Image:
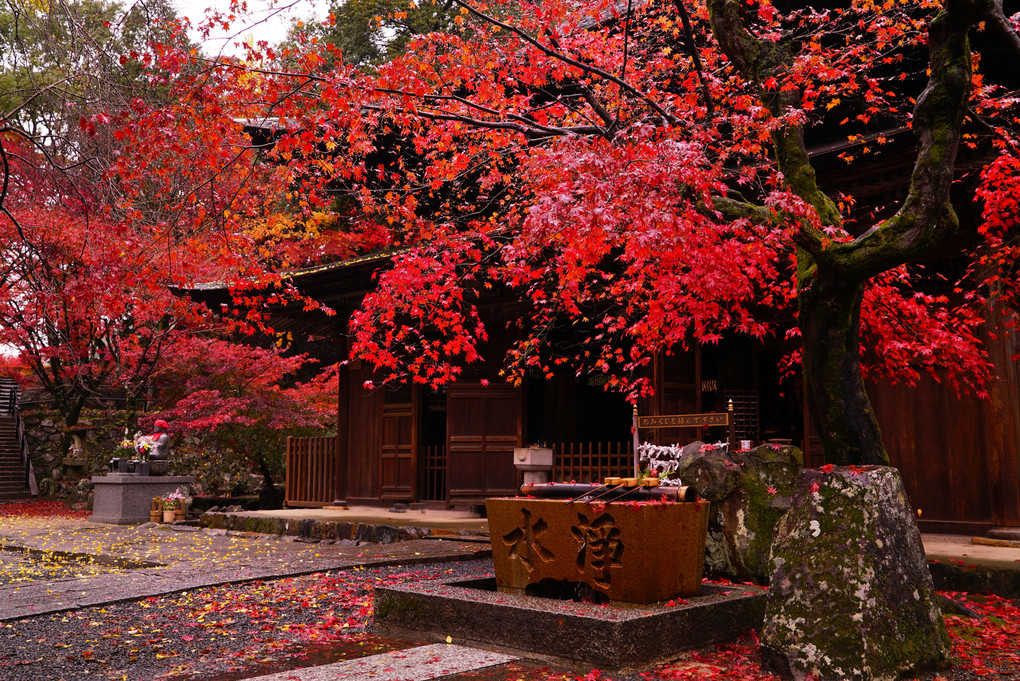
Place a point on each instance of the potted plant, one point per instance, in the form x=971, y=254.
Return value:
x=171, y=502
x=122, y=456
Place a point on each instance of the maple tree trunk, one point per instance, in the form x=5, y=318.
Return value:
x=830, y=309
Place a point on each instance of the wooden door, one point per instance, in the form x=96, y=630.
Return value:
x=363, y=437
x=398, y=452
x=483, y=427
x=679, y=392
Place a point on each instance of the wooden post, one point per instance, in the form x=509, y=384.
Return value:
x=637, y=441
x=733, y=426
x=343, y=435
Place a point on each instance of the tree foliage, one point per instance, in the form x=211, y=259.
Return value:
x=641, y=174
x=95, y=223
x=369, y=32
x=243, y=400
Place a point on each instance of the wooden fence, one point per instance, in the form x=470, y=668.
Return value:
x=311, y=470
x=433, y=478
x=591, y=461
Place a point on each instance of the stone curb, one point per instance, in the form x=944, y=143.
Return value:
x=327, y=530
x=975, y=578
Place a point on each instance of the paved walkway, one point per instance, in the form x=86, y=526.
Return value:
x=135, y=561
x=130, y=562
x=951, y=548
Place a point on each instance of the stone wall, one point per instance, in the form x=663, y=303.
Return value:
x=49, y=442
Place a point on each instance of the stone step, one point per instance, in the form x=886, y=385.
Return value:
x=413, y=664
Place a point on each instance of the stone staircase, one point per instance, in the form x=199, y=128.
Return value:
x=13, y=476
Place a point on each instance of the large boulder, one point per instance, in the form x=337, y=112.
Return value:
x=749, y=491
x=851, y=596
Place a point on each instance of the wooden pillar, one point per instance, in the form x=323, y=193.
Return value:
x=343, y=424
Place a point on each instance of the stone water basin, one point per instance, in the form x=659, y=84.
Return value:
x=608, y=637
x=622, y=551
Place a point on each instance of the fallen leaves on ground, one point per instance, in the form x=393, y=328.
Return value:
x=39, y=509
x=225, y=632
x=212, y=633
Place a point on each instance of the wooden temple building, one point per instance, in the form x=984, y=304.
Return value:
x=451, y=447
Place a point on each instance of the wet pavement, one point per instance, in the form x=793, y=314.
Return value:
x=135, y=561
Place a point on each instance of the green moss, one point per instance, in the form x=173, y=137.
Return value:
x=400, y=610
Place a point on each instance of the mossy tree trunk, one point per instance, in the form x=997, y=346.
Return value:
x=831, y=276
x=834, y=386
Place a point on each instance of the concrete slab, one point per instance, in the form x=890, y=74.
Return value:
x=413, y=664
x=971, y=551
x=357, y=523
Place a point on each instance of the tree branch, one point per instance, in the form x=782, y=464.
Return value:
x=736, y=209
x=524, y=126
x=759, y=60
x=594, y=70
x=692, y=51
x=926, y=216
x=994, y=15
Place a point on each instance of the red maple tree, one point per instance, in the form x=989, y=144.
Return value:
x=243, y=400
x=642, y=175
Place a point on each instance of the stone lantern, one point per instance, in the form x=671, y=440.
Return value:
x=535, y=462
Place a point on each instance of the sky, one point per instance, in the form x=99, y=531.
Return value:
x=268, y=20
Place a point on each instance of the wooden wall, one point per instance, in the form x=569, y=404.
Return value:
x=938, y=442
x=959, y=456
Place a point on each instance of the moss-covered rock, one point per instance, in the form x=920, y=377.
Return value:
x=750, y=491
x=851, y=596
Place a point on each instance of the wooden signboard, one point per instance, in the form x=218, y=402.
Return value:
x=724, y=418
x=685, y=420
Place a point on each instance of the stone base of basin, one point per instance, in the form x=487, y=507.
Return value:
x=630, y=552
x=604, y=637
x=122, y=499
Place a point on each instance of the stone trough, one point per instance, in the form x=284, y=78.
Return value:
x=609, y=637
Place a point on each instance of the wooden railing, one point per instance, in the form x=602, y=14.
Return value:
x=10, y=405
x=311, y=470
x=591, y=461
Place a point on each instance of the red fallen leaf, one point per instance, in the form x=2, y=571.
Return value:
x=40, y=509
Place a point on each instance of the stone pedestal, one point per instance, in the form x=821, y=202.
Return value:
x=122, y=499
x=851, y=597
